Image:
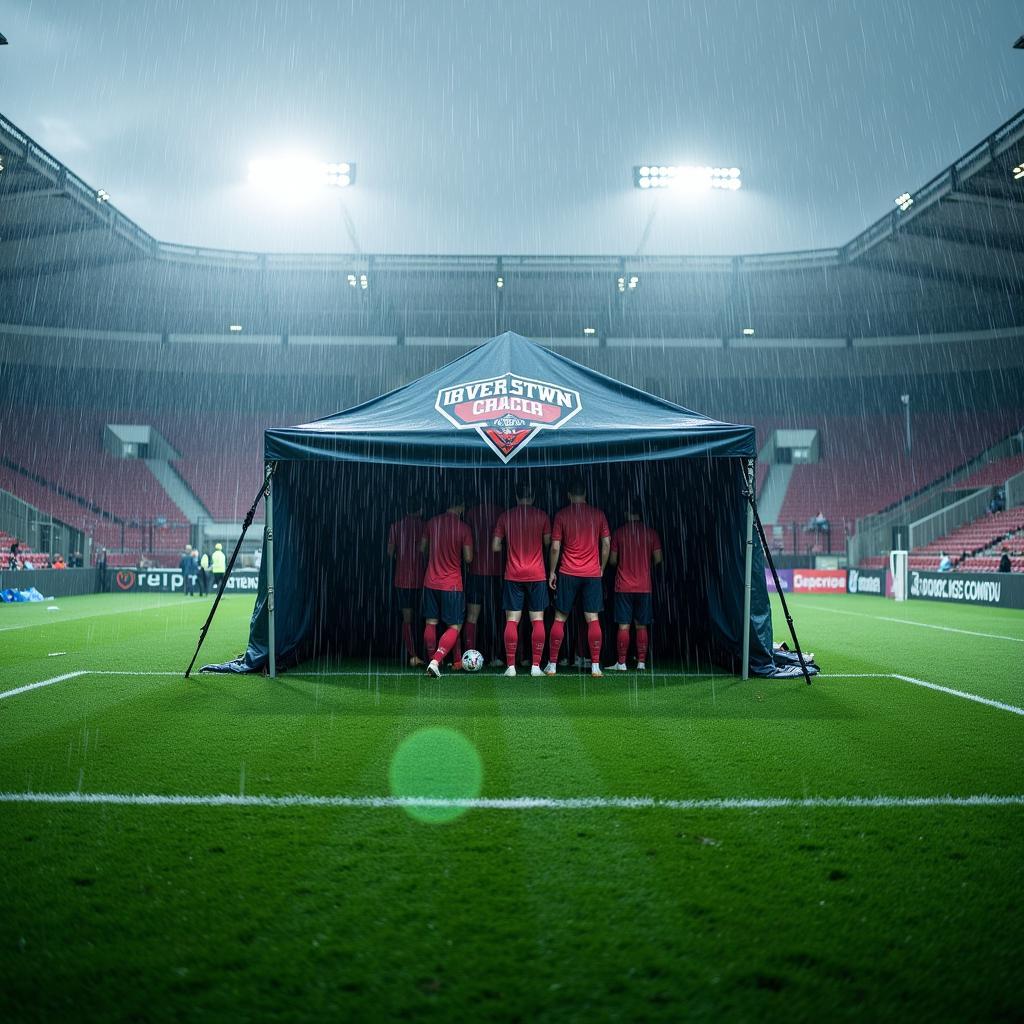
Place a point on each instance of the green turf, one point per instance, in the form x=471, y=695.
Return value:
x=163, y=913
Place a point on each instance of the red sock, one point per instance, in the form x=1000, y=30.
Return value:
x=457, y=649
x=511, y=642
x=622, y=644
x=469, y=632
x=594, y=639
x=449, y=637
x=410, y=647
x=555, y=640
x=429, y=639
x=641, y=643
x=537, y=640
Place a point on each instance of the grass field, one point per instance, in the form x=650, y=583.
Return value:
x=692, y=854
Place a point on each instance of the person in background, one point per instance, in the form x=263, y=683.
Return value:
x=1005, y=565
x=204, y=574
x=483, y=581
x=580, y=545
x=635, y=547
x=189, y=577
x=403, y=549
x=945, y=563
x=101, y=571
x=219, y=564
x=58, y=562
x=15, y=548
x=257, y=559
x=447, y=544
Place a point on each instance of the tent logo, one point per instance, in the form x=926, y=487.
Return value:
x=507, y=411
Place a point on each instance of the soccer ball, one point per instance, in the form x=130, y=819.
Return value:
x=472, y=661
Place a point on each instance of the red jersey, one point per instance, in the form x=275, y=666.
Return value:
x=405, y=536
x=523, y=529
x=446, y=534
x=579, y=527
x=635, y=543
x=481, y=520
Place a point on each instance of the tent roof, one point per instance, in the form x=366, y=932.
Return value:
x=511, y=402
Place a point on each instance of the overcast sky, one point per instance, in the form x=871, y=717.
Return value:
x=485, y=127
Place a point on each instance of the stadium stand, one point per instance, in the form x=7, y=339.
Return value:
x=995, y=474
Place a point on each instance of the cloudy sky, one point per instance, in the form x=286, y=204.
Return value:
x=487, y=127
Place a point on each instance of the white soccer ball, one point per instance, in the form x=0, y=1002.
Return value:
x=472, y=661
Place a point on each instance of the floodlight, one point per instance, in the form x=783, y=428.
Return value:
x=684, y=178
x=363, y=283
x=352, y=280
x=590, y=330
x=500, y=282
x=904, y=201
x=293, y=175
x=1018, y=171
x=102, y=195
x=235, y=328
x=748, y=332
x=634, y=281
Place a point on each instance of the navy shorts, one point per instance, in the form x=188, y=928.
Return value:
x=481, y=589
x=448, y=606
x=636, y=608
x=537, y=594
x=407, y=596
x=570, y=586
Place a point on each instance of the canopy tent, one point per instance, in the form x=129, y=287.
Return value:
x=507, y=407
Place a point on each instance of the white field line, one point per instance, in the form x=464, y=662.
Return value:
x=45, y=682
x=961, y=693
x=911, y=622
x=517, y=803
x=60, y=620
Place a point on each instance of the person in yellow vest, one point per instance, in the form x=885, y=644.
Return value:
x=219, y=565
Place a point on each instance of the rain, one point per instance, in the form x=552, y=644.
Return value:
x=312, y=310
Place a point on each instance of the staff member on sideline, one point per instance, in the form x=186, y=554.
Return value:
x=218, y=564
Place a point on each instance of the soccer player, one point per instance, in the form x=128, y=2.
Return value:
x=484, y=576
x=447, y=542
x=635, y=547
x=404, y=536
x=580, y=546
x=527, y=532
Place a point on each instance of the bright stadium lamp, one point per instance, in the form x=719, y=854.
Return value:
x=904, y=201
x=102, y=195
x=683, y=178
x=1018, y=172
x=299, y=175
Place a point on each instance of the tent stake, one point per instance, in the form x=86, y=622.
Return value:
x=752, y=501
x=748, y=474
x=246, y=523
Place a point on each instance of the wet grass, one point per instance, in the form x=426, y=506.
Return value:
x=251, y=912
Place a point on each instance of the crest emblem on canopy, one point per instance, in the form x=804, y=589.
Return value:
x=508, y=410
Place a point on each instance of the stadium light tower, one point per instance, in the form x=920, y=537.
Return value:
x=296, y=177
x=683, y=179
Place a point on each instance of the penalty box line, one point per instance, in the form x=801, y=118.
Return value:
x=517, y=803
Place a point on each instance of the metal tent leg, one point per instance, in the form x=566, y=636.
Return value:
x=748, y=471
x=271, y=626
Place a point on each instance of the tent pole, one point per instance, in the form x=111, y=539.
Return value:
x=264, y=490
x=271, y=630
x=778, y=585
x=748, y=472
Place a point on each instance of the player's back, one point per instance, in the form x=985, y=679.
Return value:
x=446, y=536
x=634, y=544
x=405, y=535
x=579, y=528
x=481, y=520
x=523, y=529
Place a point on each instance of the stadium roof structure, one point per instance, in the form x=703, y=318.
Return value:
x=949, y=259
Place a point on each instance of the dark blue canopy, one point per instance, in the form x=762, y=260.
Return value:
x=509, y=405
x=511, y=402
